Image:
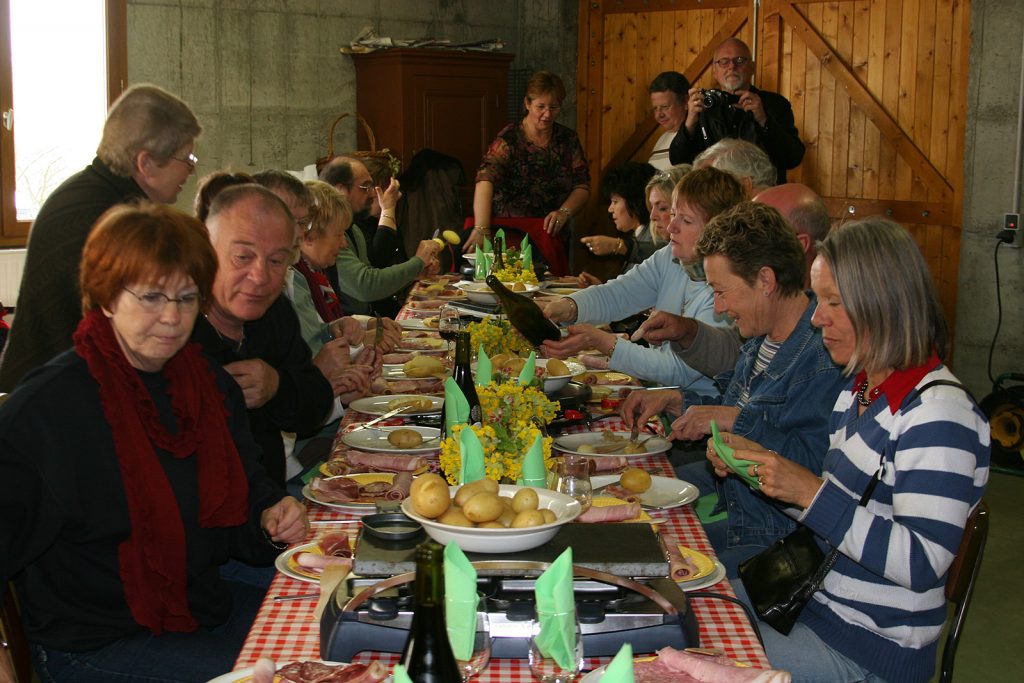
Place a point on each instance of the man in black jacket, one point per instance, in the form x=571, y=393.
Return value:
x=740, y=111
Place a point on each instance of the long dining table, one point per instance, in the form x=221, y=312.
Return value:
x=285, y=630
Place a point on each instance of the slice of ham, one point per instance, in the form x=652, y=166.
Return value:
x=610, y=513
x=382, y=462
x=317, y=563
x=318, y=672
x=610, y=464
x=336, y=545
x=397, y=358
x=335, y=489
x=680, y=566
x=620, y=492
x=683, y=667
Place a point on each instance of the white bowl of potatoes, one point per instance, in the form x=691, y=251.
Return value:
x=445, y=514
x=555, y=373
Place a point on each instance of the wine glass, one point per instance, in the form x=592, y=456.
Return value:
x=481, y=647
x=574, y=479
x=449, y=324
x=543, y=665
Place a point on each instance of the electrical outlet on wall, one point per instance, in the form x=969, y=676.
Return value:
x=1010, y=234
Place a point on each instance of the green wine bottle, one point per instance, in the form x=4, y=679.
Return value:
x=427, y=656
x=524, y=314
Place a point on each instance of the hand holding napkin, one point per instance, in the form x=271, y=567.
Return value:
x=399, y=675
x=529, y=369
x=460, y=601
x=471, y=454
x=456, y=407
x=533, y=471
x=556, y=611
x=620, y=669
x=483, y=368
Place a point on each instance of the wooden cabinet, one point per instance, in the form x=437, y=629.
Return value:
x=452, y=102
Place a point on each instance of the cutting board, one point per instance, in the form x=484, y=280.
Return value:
x=631, y=550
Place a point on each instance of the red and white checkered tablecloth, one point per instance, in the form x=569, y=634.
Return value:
x=285, y=631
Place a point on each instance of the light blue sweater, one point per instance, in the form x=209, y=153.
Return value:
x=659, y=282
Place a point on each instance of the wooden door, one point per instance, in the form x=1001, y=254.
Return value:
x=877, y=86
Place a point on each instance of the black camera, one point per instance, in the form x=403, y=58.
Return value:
x=714, y=97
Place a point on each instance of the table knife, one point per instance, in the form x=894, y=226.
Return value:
x=390, y=413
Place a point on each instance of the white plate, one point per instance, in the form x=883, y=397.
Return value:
x=297, y=573
x=245, y=675
x=665, y=492
x=477, y=540
x=710, y=580
x=418, y=323
x=376, y=440
x=570, y=443
x=378, y=405
x=481, y=293
x=398, y=372
x=362, y=479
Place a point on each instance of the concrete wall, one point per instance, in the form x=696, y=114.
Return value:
x=994, y=89
x=265, y=77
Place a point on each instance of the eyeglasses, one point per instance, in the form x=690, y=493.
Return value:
x=735, y=61
x=155, y=302
x=191, y=161
x=304, y=223
x=365, y=187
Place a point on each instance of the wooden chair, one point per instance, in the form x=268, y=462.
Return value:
x=963, y=574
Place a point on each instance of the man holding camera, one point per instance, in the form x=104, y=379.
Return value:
x=738, y=110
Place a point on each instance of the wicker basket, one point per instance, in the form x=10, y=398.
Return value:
x=384, y=155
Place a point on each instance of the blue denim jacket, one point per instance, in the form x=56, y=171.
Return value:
x=787, y=412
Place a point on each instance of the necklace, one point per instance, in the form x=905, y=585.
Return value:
x=227, y=340
x=863, y=397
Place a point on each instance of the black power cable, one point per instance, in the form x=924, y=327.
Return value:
x=999, y=305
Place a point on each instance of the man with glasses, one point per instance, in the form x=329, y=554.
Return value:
x=738, y=110
x=252, y=330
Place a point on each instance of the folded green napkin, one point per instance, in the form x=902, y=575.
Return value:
x=483, y=368
x=526, y=250
x=533, y=471
x=471, y=453
x=740, y=466
x=480, y=265
x=460, y=601
x=398, y=675
x=556, y=611
x=488, y=248
x=528, y=372
x=620, y=669
x=456, y=407
x=705, y=508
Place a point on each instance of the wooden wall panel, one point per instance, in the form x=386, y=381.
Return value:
x=876, y=87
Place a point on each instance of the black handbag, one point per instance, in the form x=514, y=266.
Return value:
x=780, y=580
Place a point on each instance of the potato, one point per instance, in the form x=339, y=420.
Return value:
x=557, y=368
x=498, y=360
x=585, y=448
x=423, y=366
x=549, y=516
x=405, y=438
x=528, y=518
x=496, y=524
x=408, y=403
x=507, y=515
x=515, y=366
x=525, y=499
x=467, y=491
x=634, y=447
x=431, y=500
x=518, y=287
x=425, y=479
x=455, y=517
x=636, y=480
x=483, y=507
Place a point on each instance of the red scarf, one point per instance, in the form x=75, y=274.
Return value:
x=324, y=297
x=153, y=558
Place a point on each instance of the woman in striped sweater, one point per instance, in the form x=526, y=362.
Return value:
x=880, y=611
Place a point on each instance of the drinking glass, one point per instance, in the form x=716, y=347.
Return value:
x=542, y=665
x=481, y=647
x=574, y=479
x=448, y=324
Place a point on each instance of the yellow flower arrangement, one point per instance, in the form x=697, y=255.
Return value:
x=497, y=336
x=511, y=413
x=514, y=272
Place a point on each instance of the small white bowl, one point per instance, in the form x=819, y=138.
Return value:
x=556, y=382
x=481, y=293
x=470, y=539
x=471, y=256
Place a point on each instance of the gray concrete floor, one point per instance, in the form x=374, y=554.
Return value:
x=992, y=644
